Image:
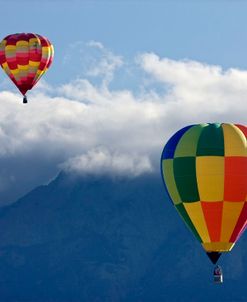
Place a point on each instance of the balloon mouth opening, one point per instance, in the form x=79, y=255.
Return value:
x=23, y=91
x=214, y=256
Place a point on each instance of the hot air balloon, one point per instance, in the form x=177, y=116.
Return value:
x=204, y=170
x=25, y=57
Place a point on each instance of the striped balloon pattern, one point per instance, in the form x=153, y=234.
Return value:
x=25, y=57
x=204, y=169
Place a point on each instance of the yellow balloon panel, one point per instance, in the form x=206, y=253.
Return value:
x=210, y=177
x=235, y=141
x=194, y=210
x=218, y=246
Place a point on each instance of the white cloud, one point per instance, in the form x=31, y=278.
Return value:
x=80, y=123
x=202, y=92
x=92, y=60
x=105, y=64
x=101, y=161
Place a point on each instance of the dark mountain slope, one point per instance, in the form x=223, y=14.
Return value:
x=99, y=238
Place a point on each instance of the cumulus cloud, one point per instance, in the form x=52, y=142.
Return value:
x=93, y=60
x=200, y=90
x=88, y=127
x=106, y=64
x=101, y=161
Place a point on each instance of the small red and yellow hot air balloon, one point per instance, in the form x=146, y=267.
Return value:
x=204, y=169
x=25, y=57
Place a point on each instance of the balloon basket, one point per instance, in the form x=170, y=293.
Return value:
x=218, y=275
x=24, y=100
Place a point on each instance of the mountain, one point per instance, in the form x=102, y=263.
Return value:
x=104, y=238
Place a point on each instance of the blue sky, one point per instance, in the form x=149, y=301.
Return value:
x=126, y=75
x=208, y=31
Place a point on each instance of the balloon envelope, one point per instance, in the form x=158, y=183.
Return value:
x=25, y=57
x=204, y=169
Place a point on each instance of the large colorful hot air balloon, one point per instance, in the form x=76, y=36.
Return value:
x=204, y=168
x=25, y=57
